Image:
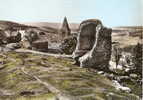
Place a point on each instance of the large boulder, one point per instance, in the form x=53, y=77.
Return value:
x=8, y=36
x=94, y=45
x=13, y=46
x=12, y=37
x=122, y=63
x=28, y=37
x=31, y=39
x=9, y=47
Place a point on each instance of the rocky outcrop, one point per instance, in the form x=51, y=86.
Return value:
x=34, y=40
x=9, y=47
x=94, y=45
x=13, y=46
x=127, y=59
x=28, y=37
x=13, y=37
x=9, y=37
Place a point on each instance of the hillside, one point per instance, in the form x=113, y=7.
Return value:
x=5, y=25
x=122, y=30
x=27, y=76
x=128, y=30
x=53, y=27
x=73, y=26
x=9, y=24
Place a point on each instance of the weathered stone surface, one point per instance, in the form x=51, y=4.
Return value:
x=127, y=60
x=94, y=45
x=26, y=44
x=13, y=46
x=32, y=39
x=54, y=48
x=86, y=37
x=9, y=47
x=28, y=37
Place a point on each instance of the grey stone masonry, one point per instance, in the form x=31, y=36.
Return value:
x=94, y=45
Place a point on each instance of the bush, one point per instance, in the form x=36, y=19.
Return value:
x=68, y=45
x=137, y=53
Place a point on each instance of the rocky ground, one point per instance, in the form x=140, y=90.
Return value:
x=35, y=76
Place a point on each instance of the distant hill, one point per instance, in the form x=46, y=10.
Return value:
x=9, y=24
x=73, y=26
x=50, y=27
x=130, y=27
x=4, y=25
x=128, y=30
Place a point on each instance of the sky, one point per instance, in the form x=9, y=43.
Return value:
x=110, y=12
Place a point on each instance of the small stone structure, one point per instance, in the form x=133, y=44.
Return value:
x=27, y=37
x=65, y=30
x=93, y=45
x=32, y=39
x=40, y=45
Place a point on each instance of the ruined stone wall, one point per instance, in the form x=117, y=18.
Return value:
x=94, y=45
x=86, y=37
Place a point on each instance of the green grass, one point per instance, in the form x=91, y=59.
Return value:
x=59, y=72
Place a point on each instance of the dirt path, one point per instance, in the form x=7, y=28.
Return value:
x=42, y=53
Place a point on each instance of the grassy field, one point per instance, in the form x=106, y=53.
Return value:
x=20, y=74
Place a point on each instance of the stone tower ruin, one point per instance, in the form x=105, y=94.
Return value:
x=93, y=45
x=65, y=30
